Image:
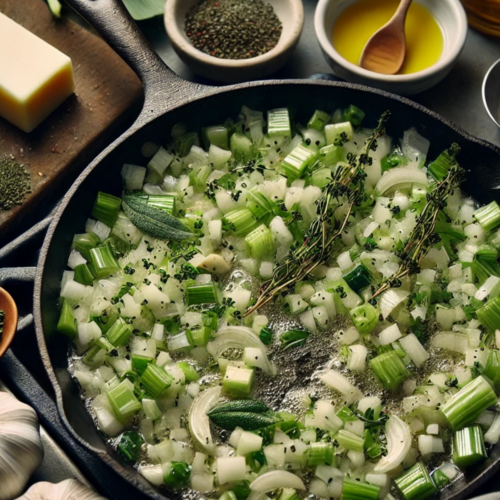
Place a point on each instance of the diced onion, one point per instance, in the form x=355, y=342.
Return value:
x=390, y=300
x=401, y=178
x=276, y=479
x=339, y=383
x=239, y=337
x=199, y=424
x=398, y=444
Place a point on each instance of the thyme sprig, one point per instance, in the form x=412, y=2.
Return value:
x=346, y=185
x=423, y=237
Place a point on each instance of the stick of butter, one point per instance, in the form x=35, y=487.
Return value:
x=35, y=78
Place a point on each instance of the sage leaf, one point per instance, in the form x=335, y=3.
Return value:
x=242, y=405
x=248, y=421
x=154, y=221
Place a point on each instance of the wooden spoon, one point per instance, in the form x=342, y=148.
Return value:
x=386, y=49
x=8, y=306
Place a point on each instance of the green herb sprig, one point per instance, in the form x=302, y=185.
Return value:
x=423, y=237
x=347, y=183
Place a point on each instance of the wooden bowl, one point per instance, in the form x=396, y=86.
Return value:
x=8, y=306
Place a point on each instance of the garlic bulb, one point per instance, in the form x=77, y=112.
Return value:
x=71, y=489
x=21, y=449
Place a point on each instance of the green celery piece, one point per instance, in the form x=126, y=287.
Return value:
x=177, y=475
x=415, y=483
x=390, y=369
x=354, y=115
x=67, y=322
x=464, y=407
x=189, y=371
x=468, y=447
x=354, y=490
x=106, y=208
x=318, y=120
x=489, y=314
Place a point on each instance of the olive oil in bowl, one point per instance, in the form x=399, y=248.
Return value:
x=358, y=22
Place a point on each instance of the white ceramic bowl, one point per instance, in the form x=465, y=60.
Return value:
x=291, y=14
x=450, y=16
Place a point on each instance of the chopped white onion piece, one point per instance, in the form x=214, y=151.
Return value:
x=276, y=479
x=398, y=444
x=339, y=383
x=199, y=424
x=390, y=300
x=414, y=349
x=239, y=337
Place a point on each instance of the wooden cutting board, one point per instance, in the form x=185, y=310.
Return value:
x=107, y=99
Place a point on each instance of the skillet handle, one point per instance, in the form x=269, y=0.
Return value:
x=162, y=87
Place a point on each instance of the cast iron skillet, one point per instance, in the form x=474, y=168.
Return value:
x=169, y=100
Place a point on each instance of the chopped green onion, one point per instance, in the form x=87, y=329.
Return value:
x=123, y=401
x=103, y=261
x=468, y=447
x=354, y=490
x=354, y=115
x=364, y=317
x=67, y=323
x=349, y=440
x=119, y=334
x=177, y=475
x=189, y=371
x=278, y=123
x=320, y=453
x=155, y=380
x=390, y=369
x=85, y=242
x=84, y=275
x=129, y=446
x=415, y=483
x=358, y=278
x=260, y=243
x=488, y=216
x=201, y=293
x=441, y=165
x=106, y=208
x=239, y=221
x=266, y=335
x=318, y=120
x=464, y=407
x=140, y=362
x=489, y=314
x=296, y=162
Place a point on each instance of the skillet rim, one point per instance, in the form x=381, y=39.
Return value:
x=143, y=120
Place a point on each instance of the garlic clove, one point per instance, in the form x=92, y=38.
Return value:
x=21, y=450
x=70, y=489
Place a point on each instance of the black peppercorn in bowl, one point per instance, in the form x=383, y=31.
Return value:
x=231, y=41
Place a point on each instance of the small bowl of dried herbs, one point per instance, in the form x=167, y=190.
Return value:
x=231, y=41
x=8, y=320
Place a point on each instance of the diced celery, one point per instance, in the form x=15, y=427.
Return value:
x=238, y=380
